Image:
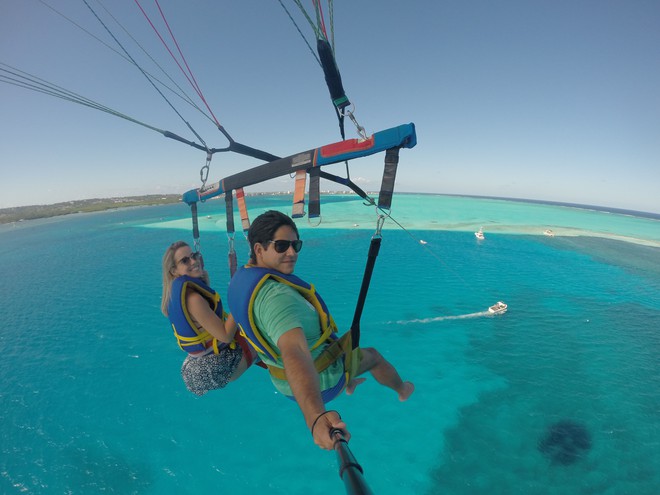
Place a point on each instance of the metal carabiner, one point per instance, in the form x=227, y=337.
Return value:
x=350, y=113
x=360, y=130
x=379, y=226
x=204, y=171
x=230, y=241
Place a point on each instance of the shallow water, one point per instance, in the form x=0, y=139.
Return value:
x=92, y=400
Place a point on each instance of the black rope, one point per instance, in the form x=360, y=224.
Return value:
x=374, y=248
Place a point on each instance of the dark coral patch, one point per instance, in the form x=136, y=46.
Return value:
x=565, y=442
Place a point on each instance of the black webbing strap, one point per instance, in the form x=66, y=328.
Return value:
x=384, y=201
x=332, y=76
x=229, y=209
x=349, y=183
x=314, y=192
x=193, y=211
x=333, y=80
x=374, y=248
x=389, y=176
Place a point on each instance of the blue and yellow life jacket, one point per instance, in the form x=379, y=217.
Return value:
x=242, y=292
x=190, y=338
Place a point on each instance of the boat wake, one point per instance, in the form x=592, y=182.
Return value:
x=443, y=318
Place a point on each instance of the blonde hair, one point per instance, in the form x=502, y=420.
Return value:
x=169, y=264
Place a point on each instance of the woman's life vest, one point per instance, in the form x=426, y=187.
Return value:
x=189, y=337
x=242, y=292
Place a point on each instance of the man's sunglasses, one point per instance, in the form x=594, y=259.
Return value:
x=282, y=246
x=187, y=259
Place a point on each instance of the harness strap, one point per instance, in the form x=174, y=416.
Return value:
x=340, y=347
x=229, y=209
x=374, y=248
x=314, y=192
x=389, y=175
x=299, y=195
x=333, y=80
x=384, y=201
x=195, y=222
x=242, y=208
x=203, y=338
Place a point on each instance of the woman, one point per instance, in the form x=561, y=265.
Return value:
x=216, y=355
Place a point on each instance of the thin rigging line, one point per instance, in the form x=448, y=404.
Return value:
x=145, y=75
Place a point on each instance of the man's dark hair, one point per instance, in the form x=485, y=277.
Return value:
x=263, y=229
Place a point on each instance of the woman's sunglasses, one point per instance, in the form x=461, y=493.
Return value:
x=187, y=259
x=282, y=246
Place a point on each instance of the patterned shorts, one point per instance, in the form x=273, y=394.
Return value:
x=201, y=374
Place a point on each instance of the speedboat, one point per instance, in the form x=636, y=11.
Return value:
x=498, y=308
x=480, y=234
x=549, y=233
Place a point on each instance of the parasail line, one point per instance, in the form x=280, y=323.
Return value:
x=196, y=85
x=176, y=61
x=160, y=37
x=320, y=21
x=145, y=74
x=39, y=85
x=309, y=19
x=299, y=31
x=181, y=93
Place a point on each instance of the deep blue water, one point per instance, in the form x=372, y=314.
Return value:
x=92, y=400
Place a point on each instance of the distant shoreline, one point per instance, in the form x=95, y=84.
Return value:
x=606, y=209
x=34, y=212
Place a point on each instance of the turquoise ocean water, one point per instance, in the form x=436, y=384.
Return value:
x=92, y=401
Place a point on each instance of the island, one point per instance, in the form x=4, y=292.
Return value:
x=20, y=213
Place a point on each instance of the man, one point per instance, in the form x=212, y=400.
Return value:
x=289, y=324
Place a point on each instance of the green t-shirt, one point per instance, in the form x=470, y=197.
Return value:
x=279, y=308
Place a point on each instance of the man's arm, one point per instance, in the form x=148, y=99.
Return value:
x=304, y=381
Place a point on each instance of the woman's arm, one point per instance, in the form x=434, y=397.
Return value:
x=203, y=314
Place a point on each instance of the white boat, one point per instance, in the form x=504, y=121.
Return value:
x=498, y=308
x=480, y=234
x=549, y=233
x=422, y=242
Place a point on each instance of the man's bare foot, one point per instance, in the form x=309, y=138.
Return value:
x=350, y=388
x=406, y=391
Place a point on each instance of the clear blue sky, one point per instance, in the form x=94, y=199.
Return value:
x=552, y=100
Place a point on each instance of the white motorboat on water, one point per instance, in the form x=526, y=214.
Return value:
x=480, y=234
x=498, y=308
x=549, y=233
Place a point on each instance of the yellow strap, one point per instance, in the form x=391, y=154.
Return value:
x=201, y=339
x=330, y=354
